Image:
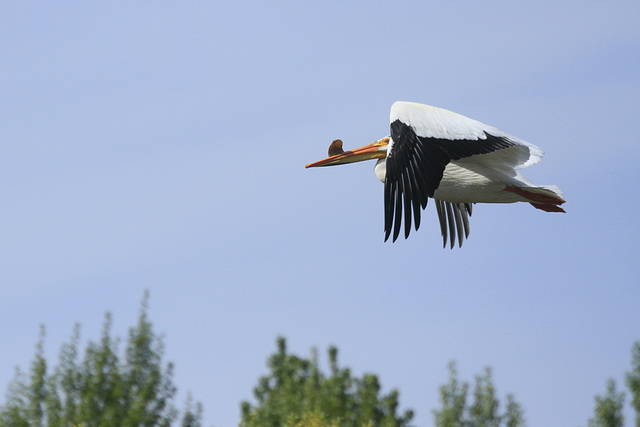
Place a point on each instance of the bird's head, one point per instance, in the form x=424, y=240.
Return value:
x=337, y=156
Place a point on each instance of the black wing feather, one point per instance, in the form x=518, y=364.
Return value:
x=408, y=199
x=443, y=221
x=389, y=203
x=398, y=219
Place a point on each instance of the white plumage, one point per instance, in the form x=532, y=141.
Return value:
x=439, y=154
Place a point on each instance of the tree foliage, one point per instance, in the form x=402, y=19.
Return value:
x=633, y=380
x=484, y=411
x=297, y=393
x=608, y=408
x=101, y=390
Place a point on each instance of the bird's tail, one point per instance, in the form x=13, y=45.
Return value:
x=545, y=197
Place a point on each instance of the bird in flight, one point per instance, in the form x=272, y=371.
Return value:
x=457, y=161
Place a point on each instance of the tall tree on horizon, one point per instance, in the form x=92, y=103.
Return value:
x=608, y=408
x=296, y=392
x=633, y=380
x=484, y=411
x=103, y=389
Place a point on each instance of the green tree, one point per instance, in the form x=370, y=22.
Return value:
x=193, y=413
x=296, y=392
x=608, y=409
x=453, y=397
x=633, y=380
x=102, y=389
x=485, y=408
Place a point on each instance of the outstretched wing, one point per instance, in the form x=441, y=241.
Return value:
x=424, y=140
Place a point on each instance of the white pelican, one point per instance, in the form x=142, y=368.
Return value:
x=457, y=161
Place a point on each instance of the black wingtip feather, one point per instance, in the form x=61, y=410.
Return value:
x=452, y=230
x=407, y=206
x=388, y=208
x=398, y=216
x=443, y=222
x=456, y=211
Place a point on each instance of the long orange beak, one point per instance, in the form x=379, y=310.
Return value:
x=377, y=150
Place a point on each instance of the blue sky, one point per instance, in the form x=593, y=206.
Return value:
x=162, y=146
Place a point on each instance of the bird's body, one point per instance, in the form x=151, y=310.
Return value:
x=457, y=161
